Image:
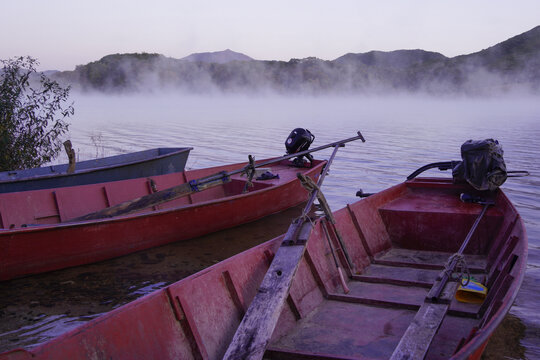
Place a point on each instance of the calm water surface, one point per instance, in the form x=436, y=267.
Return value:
x=402, y=134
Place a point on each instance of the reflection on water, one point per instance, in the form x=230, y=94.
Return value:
x=505, y=342
x=402, y=134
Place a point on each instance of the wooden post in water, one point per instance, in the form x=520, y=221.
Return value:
x=71, y=156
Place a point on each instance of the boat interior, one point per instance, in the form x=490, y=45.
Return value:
x=58, y=205
x=398, y=242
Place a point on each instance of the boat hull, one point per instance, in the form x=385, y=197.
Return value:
x=32, y=249
x=151, y=162
x=197, y=317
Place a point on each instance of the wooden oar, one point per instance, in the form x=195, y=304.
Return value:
x=194, y=186
x=346, y=289
x=257, y=326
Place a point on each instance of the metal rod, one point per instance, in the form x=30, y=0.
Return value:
x=193, y=186
x=473, y=229
x=445, y=165
x=286, y=157
x=444, y=278
x=336, y=143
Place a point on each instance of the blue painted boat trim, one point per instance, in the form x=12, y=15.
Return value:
x=157, y=161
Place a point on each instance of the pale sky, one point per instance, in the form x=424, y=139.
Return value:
x=64, y=33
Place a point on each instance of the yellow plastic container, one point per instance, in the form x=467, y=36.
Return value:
x=473, y=292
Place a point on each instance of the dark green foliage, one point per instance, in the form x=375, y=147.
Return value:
x=32, y=115
x=116, y=71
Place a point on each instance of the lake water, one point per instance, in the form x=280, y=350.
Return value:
x=402, y=134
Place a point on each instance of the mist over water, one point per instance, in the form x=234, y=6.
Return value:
x=402, y=133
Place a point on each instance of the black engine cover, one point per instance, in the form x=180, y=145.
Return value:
x=299, y=140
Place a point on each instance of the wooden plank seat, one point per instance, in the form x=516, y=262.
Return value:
x=397, y=275
x=426, y=259
x=401, y=287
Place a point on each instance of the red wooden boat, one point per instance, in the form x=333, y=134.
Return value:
x=398, y=242
x=38, y=232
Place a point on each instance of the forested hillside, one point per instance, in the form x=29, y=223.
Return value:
x=512, y=65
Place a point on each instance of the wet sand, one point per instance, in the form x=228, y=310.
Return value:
x=505, y=342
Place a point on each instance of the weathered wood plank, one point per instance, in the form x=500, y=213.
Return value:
x=71, y=156
x=446, y=295
x=371, y=301
x=398, y=275
x=417, y=339
x=422, y=259
x=257, y=326
x=391, y=281
x=281, y=354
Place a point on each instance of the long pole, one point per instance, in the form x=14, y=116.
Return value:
x=193, y=186
x=453, y=263
x=336, y=143
x=297, y=225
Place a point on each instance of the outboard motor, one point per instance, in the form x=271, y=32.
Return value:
x=299, y=140
x=483, y=164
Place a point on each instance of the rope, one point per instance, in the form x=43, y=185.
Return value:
x=249, y=171
x=311, y=186
x=457, y=264
x=305, y=218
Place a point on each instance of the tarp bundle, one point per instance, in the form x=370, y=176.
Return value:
x=483, y=164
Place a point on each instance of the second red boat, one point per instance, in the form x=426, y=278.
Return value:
x=38, y=232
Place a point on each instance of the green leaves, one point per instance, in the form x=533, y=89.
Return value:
x=32, y=115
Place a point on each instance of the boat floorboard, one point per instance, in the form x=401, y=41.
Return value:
x=426, y=259
x=370, y=320
x=396, y=296
x=361, y=331
x=357, y=330
x=398, y=275
x=453, y=329
x=406, y=287
x=384, y=295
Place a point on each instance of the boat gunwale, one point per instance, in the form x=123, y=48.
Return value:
x=483, y=335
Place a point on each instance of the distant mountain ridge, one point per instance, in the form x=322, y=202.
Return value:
x=393, y=59
x=218, y=57
x=510, y=65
